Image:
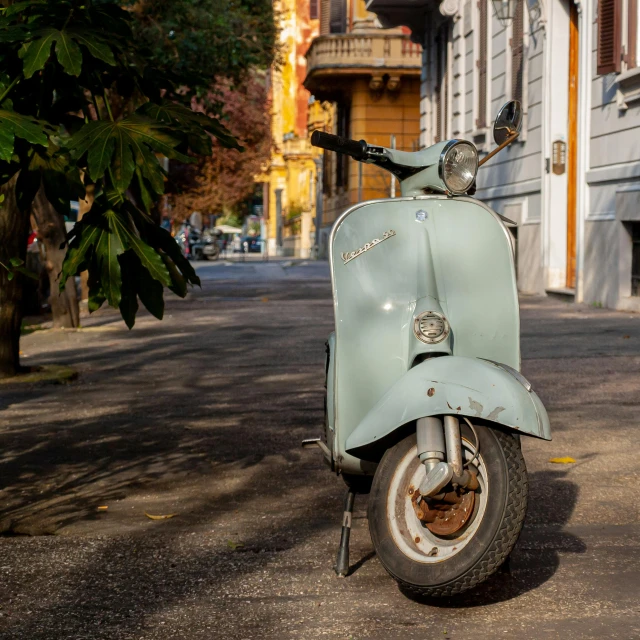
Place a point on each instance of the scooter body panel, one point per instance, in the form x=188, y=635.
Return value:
x=393, y=259
x=456, y=386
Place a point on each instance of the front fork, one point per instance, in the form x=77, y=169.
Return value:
x=438, y=442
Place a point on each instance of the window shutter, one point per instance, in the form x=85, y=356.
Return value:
x=517, y=53
x=481, y=120
x=325, y=6
x=632, y=40
x=313, y=9
x=609, y=36
x=337, y=17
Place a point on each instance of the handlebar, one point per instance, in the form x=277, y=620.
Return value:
x=355, y=148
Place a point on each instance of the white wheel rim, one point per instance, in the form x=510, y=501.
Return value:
x=410, y=535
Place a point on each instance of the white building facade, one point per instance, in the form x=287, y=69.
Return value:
x=572, y=180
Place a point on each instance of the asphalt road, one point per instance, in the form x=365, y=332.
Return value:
x=201, y=416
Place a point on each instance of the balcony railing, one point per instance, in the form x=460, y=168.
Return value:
x=363, y=52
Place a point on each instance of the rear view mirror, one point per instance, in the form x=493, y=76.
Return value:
x=508, y=122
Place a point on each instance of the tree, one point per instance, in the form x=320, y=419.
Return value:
x=81, y=104
x=201, y=42
x=220, y=182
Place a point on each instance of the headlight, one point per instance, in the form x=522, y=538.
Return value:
x=431, y=327
x=459, y=166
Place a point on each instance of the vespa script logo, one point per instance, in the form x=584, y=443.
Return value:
x=348, y=257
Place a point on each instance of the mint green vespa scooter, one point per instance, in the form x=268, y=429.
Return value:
x=424, y=390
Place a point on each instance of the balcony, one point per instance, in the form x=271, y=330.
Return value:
x=335, y=58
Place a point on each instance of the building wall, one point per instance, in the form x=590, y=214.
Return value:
x=518, y=182
x=375, y=118
x=291, y=169
x=613, y=179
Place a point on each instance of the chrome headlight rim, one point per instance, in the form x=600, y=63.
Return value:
x=425, y=339
x=443, y=154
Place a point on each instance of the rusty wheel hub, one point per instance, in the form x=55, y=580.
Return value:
x=445, y=515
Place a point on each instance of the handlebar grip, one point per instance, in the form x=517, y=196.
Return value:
x=355, y=148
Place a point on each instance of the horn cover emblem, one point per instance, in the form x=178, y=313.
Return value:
x=351, y=255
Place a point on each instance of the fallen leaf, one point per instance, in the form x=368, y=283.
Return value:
x=104, y=507
x=564, y=460
x=625, y=337
x=234, y=545
x=264, y=299
x=162, y=517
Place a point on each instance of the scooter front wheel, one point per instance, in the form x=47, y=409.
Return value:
x=464, y=546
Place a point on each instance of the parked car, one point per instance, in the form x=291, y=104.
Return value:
x=252, y=244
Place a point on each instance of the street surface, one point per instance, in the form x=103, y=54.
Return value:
x=202, y=415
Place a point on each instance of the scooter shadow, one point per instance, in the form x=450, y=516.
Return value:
x=535, y=558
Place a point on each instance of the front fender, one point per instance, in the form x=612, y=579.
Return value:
x=454, y=385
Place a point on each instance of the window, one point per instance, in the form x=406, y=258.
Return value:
x=609, y=36
x=635, y=258
x=618, y=42
x=338, y=16
x=314, y=9
x=633, y=42
x=517, y=54
x=483, y=35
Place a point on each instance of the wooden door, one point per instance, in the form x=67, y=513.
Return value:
x=572, y=146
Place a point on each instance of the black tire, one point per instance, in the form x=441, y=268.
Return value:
x=494, y=538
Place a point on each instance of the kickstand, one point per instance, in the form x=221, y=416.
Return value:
x=342, y=561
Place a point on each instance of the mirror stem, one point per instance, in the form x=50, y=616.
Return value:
x=490, y=155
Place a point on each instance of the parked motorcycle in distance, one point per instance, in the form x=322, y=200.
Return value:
x=425, y=402
x=198, y=245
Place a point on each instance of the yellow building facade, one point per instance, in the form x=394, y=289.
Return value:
x=342, y=73
x=289, y=181
x=368, y=80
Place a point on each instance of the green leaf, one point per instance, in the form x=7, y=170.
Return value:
x=18, y=7
x=69, y=54
x=97, y=47
x=6, y=143
x=15, y=124
x=150, y=293
x=16, y=262
x=99, y=156
x=165, y=242
x=10, y=275
x=190, y=122
x=148, y=256
x=96, y=295
x=129, y=301
x=85, y=238
x=125, y=145
x=27, y=272
x=37, y=52
x=108, y=248
x=123, y=166
x=178, y=282
x=14, y=33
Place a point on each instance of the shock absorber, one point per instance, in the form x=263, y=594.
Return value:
x=434, y=440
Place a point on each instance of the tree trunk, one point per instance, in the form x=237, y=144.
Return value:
x=14, y=232
x=52, y=232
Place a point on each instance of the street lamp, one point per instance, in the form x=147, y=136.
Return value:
x=505, y=10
